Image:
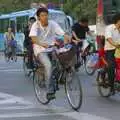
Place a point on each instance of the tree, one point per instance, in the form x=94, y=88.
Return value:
x=75, y=8
x=82, y=8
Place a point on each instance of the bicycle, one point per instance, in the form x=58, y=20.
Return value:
x=91, y=52
x=104, y=84
x=28, y=71
x=62, y=71
x=86, y=53
x=10, y=54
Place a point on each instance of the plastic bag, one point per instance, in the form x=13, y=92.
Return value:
x=93, y=60
x=117, y=74
x=13, y=43
x=85, y=44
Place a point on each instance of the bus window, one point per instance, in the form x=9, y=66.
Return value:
x=111, y=7
x=4, y=24
x=59, y=18
x=13, y=25
x=21, y=23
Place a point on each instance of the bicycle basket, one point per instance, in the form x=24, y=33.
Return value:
x=67, y=58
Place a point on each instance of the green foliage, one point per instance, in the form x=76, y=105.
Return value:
x=82, y=8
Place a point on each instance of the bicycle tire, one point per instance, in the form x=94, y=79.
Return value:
x=89, y=71
x=36, y=83
x=103, y=86
x=78, y=105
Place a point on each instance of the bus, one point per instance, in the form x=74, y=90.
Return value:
x=18, y=20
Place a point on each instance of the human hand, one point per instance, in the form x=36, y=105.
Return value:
x=45, y=45
x=117, y=45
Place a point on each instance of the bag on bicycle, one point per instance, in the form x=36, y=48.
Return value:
x=13, y=43
x=66, y=58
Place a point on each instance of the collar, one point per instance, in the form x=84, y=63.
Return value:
x=40, y=25
x=114, y=27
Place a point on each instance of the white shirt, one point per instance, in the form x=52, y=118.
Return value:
x=46, y=34
x=111, y=32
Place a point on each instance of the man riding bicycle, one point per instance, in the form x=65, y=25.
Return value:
x=112, y=36
x=79, y=31
x=10, y=43
x=28, y=42
x=43, y=34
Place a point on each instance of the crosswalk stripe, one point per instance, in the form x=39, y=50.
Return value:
x=7, y=98
x=83, y=116
x=74, y=115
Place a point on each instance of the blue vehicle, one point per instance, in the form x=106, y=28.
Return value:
x=18, y=20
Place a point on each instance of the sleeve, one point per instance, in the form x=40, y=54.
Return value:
x=108, y=33
x=33, y=31
x=57, y=29
x=13, y=36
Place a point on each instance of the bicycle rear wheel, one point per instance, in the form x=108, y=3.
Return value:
x=25, y=68
x=6, y=56
x=90, y=71
x=14, y=55
x=40, y=86
x=73, y=90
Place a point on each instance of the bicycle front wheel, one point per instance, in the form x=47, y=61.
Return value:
x=40, y=86
x=73, y=90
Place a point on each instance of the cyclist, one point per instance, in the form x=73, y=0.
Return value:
x=43, y=33
x=28, y=43
x=79, y=31
x=9, y=42
x=112, y=35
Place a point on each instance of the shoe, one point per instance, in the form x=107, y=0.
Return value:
x=61, y=82
x=51, y=96
x=77, y=66
x=117, y=85
x=112, y=92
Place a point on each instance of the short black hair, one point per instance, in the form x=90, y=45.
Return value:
x=116, y=18
x=84, y=20
x=41, y=9
x=32, y=19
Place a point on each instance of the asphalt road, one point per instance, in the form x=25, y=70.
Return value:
x=18, y=101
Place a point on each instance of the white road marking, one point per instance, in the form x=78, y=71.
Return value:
x=54, y=110
x=7, y=99
x=74, y=115
x=18, y=107
x=11, y=70
x=83, y=116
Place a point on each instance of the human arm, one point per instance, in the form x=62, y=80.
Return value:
x=34, y=36
x=35, y=41
x=13, y=36
x=109, y=37
x=59, y=31
x=74, y=31
x=75, y=36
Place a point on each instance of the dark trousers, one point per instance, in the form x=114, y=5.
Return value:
x=111, y=65
x=79, y=48
x=30, y=56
